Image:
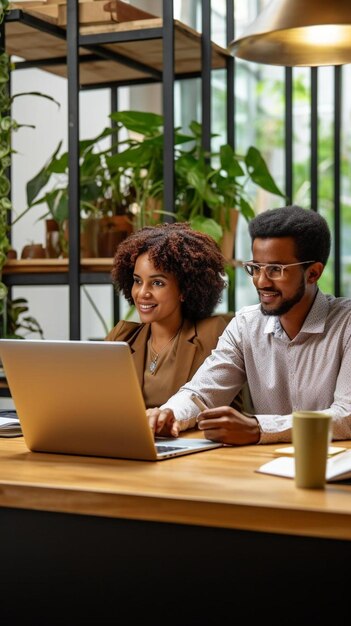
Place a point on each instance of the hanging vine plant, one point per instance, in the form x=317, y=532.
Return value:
x=8, y=125
x=5, y=155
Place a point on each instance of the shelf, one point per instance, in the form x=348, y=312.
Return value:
x=34, y=266
x=55, y=271
x=133, y=50
x=117, y=45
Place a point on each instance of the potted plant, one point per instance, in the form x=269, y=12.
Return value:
x=55, y=170
x=139, y=160
x=100, y=197
x=210, y=188
x=15, y=322
x=121, y=186
x=218, y=187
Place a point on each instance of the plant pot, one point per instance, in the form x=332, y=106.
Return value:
x=89, y=231
x=11, y=254
x=227, y=243
x=33, y=251
x=112, y=230
x=52, y=238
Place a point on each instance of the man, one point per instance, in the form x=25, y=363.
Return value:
x=292, y=351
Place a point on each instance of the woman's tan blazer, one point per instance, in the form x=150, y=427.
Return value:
x=195, y=343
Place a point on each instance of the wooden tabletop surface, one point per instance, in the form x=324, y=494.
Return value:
x=218, y=488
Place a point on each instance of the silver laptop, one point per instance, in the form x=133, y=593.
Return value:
x=83, y=397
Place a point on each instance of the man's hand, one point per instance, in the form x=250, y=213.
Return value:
x=162, y=422
x=226, y=425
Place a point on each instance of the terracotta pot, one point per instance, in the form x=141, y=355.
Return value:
x=227, y=244
x=52, y=237
x=89, y=231
x=33, y=251
x=11, y=254
x=112, y=230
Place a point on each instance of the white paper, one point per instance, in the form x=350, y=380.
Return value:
x=290, y=450
x=10, y=427
x=8, y=421
x=338, y=467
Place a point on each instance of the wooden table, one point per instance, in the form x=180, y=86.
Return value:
x=108, y=535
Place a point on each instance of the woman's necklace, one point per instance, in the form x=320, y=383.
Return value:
x=154, y=359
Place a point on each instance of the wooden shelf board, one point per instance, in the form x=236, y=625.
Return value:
x=38, y=266
x=31, y=44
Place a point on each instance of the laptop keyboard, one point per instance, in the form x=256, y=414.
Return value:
x=163, y=448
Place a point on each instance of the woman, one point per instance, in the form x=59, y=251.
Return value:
x=175, y=278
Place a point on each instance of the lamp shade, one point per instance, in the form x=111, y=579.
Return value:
x=298, y=33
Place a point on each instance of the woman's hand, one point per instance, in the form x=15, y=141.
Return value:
x=162, y=422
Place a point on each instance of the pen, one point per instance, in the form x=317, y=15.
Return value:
x=201, y=405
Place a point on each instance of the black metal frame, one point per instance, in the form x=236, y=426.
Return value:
x=75, y=41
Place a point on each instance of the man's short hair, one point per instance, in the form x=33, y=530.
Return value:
x=307, y=227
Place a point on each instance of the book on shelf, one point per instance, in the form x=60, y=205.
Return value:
x=338, y=467
x=9, y=423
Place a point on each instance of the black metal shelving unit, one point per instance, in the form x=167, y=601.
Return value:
x=82, y=49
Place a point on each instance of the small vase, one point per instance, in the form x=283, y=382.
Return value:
x=11, y=254
x=111, y=232
x=89, y=230
x=52, y=237
x=33, y=251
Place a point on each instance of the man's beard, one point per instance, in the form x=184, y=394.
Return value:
x=287, y=304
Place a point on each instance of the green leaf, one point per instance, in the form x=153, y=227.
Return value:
x=57, y=202
x=16, y=309
x=37, y=93
x=246, y=209
x=5, y=203
x=36, y=184
x=230, y=162
x=90, y=191
x=39, y=181
x=207, y=225
x=259, y=172
x=197, y=180
x=58, y=166
x=6, y=123
x=3, y=291
x=139, y=121
x=4, y=185
x=184, y=163
x=4, y=149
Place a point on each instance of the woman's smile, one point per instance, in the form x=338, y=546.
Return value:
x=156, y=293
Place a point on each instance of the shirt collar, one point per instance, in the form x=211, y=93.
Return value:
x=317, y=316
x=314, y=322
x=273, y=326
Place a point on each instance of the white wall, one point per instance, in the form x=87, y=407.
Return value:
x=49, y=305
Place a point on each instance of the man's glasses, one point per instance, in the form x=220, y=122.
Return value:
x=274, y=271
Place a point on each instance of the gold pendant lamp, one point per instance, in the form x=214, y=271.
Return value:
x=298, y=33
